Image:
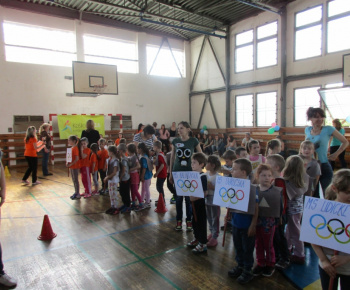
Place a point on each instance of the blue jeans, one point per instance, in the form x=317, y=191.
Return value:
x=179, y=204
x=244, y=248
x=325, y=178
x=45, y=162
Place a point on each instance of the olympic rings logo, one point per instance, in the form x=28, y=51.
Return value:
x=318, y=222
x=234, y=196
x=187, y=185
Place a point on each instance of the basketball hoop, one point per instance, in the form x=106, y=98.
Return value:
x=99, y=89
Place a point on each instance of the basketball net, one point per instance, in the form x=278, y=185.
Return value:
x=99, y=89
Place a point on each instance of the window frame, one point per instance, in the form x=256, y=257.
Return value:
x=243, y=45
x=38, y=48
x=242, y=95
x=329, y=19
x=256, y=107
x=262, y=40
x=321, y=105
x=111, y=57
x=320, y=22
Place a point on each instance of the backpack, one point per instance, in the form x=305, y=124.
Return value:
x=149, y=163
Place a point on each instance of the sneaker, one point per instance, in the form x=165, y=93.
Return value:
x=212, y=243
x=297, y=260
x=235, y=272
x=36, y=182
x=258, y=270
x=209, y=237
x=87, y=195
x=49, y=174
x=139, y=207
x=245, y=278
x=8, y=281
x=115, y=212
x=192, y=244
x=147, y=205
x=172, y=200
x=268, y=271
x=25, y=182
x=189, y=226
x=110, y=210
x=178, y=226
x=96, y=192
x=200, y=248
x=126, y=210
x=75, y=196
x=282, y=264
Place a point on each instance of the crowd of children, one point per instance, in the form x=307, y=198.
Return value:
x=273, y=230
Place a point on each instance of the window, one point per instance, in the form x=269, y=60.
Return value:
x=337, y=102
x=244, y=110
x=244, y=56
x=267, y=45
x=39, y=45
x=338, y=34
x=303, y=99
x=266, y=108
x=121, y=53
x=308, y=34
x=164, y=64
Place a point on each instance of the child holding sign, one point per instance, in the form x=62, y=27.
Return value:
x=74, y=165
x=213, y=211
x=244, y=226
x=336, y=266
x=199, y=218
x=269, y=212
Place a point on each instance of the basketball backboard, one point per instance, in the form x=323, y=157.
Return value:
x=88, y=78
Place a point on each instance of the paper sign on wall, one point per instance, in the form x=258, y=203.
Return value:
x=232, y=192
x=188, y=183
x=69, y=155
x=326, y=223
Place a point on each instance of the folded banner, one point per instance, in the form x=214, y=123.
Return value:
x=75, y=124
x=326, y=223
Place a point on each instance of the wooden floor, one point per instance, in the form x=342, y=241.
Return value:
x=94, y=250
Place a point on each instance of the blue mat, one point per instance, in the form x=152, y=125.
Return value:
x=302, y=276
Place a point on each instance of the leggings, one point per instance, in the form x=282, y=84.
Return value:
x=124, y=187
x=95, y=179
x=32, y=168
x=75, y=178
x=103, y=176
x=134, y=178
x=85, y=178
x=160, y=186
x=145, y=193
x=116, y=200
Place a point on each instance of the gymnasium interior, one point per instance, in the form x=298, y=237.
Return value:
x=224, y=66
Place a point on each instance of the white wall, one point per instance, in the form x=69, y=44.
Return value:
x=209, y=77
x=30, y=89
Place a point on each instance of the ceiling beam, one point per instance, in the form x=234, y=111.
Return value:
x=73, y=14
x=194, y=12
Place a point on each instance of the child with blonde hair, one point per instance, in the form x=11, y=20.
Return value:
x=297, y=183
x=330, y=265
x=313, y=169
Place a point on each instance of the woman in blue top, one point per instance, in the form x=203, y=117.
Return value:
x=320, y=136
x=335, y=144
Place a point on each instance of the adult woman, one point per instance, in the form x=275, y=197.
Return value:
x=207, y=145
x=335, y=144
x=45, y=137
x=146, y=136
x=173, y=132
x=320, y=136
x=183, y=149
x=90, y=133
x=164, y=137
x=120, y=136
x=231, y=143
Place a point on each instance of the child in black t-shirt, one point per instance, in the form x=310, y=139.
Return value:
x=199, y=218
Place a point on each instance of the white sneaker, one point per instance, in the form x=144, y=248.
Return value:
x=7, y=280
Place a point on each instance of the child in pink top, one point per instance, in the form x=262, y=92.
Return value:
x=255, y=157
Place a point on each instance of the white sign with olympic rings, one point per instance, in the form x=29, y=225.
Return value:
x=188, y=183
x=326, y=223
x=232, y=192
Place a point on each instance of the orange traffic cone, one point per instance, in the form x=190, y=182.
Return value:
x=47, y=233
x=161, y=205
